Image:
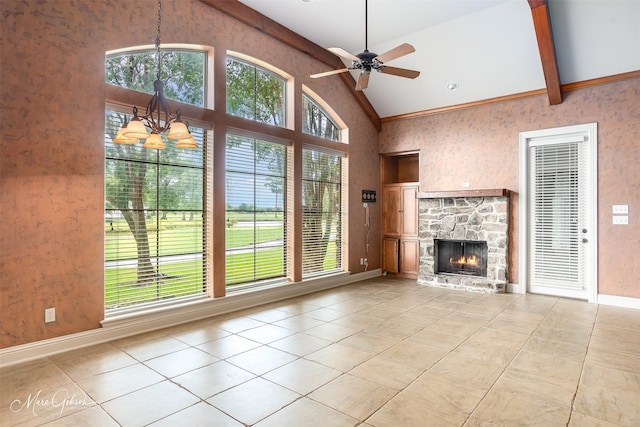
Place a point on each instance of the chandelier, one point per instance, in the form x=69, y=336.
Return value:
x=157, y=116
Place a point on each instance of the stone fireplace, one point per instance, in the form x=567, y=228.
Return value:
x=464, y=239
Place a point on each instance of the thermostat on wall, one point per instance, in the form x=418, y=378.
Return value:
x=368, y=196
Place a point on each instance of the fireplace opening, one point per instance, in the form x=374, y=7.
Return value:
x=468, y=257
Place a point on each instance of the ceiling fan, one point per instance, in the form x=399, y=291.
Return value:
x=368, y=61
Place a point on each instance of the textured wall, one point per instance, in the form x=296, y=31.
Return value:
x=52, y=142
x=480, y=146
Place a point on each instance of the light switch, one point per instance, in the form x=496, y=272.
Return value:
x=621, y=219
x=620, y=209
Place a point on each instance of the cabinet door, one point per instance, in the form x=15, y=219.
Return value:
x=409, y=211
x=390, y=255
x=409, y=257
x=392, y=209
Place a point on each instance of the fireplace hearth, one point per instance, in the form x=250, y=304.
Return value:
x=464, y=240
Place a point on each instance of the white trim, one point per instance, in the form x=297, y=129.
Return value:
x=129, y=324
x=617, y=301
x=515, y=288
x=562, y=134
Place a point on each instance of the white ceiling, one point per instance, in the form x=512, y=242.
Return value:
x=487, y=47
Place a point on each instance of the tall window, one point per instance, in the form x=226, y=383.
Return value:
x=154, y=199
x=315, y=121
x=154, y=243
x=321, y=212
x=255, y=93
x=255, y=214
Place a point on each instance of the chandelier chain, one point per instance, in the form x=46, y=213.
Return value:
x=159, y=57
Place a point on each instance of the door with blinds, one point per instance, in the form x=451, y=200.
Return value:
x=560, y=211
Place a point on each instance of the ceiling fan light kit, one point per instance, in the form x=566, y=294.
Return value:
x=368, y=61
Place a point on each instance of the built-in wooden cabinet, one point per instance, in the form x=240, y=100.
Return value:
x=400, y=229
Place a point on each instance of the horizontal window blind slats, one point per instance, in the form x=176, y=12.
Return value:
x=154, y=218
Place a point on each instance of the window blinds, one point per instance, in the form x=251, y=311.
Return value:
x=154, y=240
x=557, y=192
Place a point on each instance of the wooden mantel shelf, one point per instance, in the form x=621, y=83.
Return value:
x=494, y=192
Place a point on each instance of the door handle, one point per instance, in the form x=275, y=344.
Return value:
x=585, y=240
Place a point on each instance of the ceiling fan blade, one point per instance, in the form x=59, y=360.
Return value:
x=363, y=81
x=396, y=52
x=328, y=73
x=343, y=53
x=401, y=72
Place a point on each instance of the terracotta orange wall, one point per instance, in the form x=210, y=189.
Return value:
x=52, y=146
x=480, y=146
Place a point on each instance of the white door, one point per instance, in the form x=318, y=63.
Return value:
x=558, y=167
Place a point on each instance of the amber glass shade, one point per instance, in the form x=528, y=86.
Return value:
x=154, y=141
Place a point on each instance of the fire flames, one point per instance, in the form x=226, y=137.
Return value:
x=463, y=260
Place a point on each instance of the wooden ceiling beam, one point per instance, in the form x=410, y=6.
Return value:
x=255, y=19
x=542, y=25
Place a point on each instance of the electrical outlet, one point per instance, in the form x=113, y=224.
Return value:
x=621, y=219
x=365, y=262
x=620, y=209
x=49, y=315
x=465, y=185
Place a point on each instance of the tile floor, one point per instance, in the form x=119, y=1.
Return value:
x=382, y=352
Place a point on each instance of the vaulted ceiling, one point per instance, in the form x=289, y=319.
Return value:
x=489, y=49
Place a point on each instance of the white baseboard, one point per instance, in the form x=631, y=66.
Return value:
x=515, y=288
x=617, y=301
x=121, y=326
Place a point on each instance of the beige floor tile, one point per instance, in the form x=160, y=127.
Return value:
x=26, y=379
x=196, y=336
x=554, y=394
x=308, y=413
x=407, y=411
x=617, y=333
x=509, y=408
x=386, y=372
x=300, y=344
x=615, y=346
x=107, y=386
x=581, y=420
x=181, y=361
x=563, y=335
x=236, y=324
x=369, y=342
x=299, y=323
x=620, y=361
x=228, y=346
x=531, y=366
x=86, y=362
x=474, y=372
x=453, y=327
x=453, y=400
x=213, y=379
x=616, y=406
x=149, y=404
x=607, y=377
x=199, y=415
x=93, y=416
x=398, y=327
x=341, y=357
x=575, y=352
x=332, y=332
x=413, y=354
x=302, y=376
x=430, y=312
x=325, y=314
x=568, y=323
x=261, y=360
x=266, y=333
x=269, y=315
x=154, y=347
x=436, y=339
x=353, y=396
x=254, y=400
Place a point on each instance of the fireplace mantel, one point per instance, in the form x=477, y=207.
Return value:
x=494, y=192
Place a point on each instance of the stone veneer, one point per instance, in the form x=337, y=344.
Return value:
x=465, y=218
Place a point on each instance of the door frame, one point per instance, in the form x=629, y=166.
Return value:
x=591, y=129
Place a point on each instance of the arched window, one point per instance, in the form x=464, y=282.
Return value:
x=255, y=93
x=316, y=121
